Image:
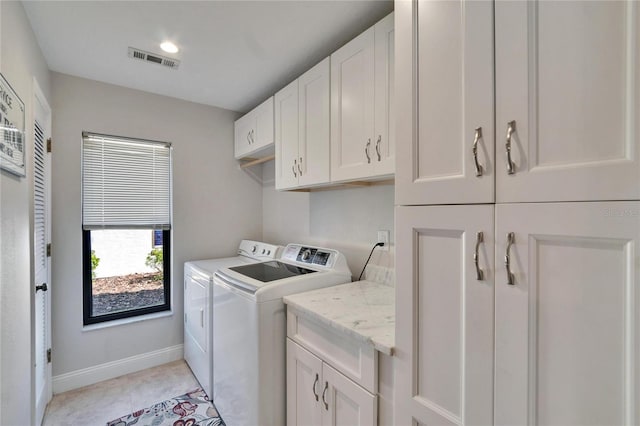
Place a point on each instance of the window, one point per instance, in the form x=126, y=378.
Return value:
x=126, y=227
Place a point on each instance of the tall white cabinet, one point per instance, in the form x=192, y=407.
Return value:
x=551, y=333
x=567, y=101
x=568, y=327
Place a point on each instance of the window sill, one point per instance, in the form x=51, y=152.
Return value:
x=130, y=320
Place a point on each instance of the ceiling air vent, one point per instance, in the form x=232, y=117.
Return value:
x=152, y=57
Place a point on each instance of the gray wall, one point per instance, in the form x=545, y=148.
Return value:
x=344, y=219
x=215, y=205
x=20, y=61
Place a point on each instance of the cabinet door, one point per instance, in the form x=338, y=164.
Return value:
x=263, y=114
x=314, y=125
x=568, y=329
x=352, y=104
x=243, y=134
x=286, y=116
x=304, y=386
x=444, y=56
x=344, y=402
x=384, y=158
x=444, y=315
x=574, y=96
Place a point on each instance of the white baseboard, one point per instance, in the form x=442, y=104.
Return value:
x=88, y=376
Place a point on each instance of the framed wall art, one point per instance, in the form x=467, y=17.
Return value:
x=12, y=130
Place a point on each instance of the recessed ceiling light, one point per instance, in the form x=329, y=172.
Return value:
x=169, y=47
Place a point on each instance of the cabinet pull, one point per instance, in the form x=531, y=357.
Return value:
x=293, y=168
x=249, y=137
x=366, y=150
x=511, y=128
x=202, y=318
x=326, y=405
x=511, y=238
x=476, y=260
x=475, y=151
x=314, y=388
x=378, y=147
x=300, y=166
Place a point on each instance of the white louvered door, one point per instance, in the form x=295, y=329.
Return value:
x=41, y=236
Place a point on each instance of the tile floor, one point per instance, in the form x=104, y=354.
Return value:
x=96, y=404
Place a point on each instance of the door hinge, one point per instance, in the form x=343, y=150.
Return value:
x=49, y=145
x=49, y=355
x=49, y=250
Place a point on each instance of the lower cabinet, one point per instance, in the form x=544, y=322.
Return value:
x=331, y=378
x=535, y=323
x=318, y=394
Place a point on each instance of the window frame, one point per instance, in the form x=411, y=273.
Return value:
x=87, y=285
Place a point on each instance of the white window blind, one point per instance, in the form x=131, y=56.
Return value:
x=126, y=183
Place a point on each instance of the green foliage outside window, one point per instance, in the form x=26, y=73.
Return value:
x=95, y=260
x=154, y=259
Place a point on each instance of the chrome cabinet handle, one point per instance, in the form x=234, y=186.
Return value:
x=475, y=151
x=249, y=138
x=326, y=405
x=314, y=388
x=511, y=238
x=378, y=147
x=293, y=169
x=476, y=260
x=366, y=150
x=300, y=166
x=511, y=128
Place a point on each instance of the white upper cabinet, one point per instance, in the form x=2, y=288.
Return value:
x=286, y=117
x=446, y=154
x=303, y=130
x=567, y=101
x=568, y=75
x=254, y=132
x=384, y=153
x=314, y=125
x=362, y=105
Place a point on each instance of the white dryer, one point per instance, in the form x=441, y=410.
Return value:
x=199, y=306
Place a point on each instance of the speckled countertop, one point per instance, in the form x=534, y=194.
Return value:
x=364, y=310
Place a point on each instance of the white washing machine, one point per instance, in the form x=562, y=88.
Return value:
x=249, y=327
x=198, y=304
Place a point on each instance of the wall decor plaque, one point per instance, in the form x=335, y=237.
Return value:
x=12, y=130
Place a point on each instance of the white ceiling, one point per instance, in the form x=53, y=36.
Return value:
x=233, y=54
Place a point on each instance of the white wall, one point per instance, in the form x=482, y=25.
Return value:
x=215, y=205
x=21, y=61
x=342, y=219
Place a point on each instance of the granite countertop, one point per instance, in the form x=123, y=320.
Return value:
x=364, y=310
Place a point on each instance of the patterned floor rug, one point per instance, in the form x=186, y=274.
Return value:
x=190, y=409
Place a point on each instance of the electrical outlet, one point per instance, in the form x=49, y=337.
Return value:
x=383, y=237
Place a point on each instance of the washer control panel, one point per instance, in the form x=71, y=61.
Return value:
x=309, y=255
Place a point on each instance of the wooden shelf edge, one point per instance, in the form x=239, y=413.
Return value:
x=345, y=185
x=253, y=162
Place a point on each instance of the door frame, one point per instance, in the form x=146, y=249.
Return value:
x=41, y=111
